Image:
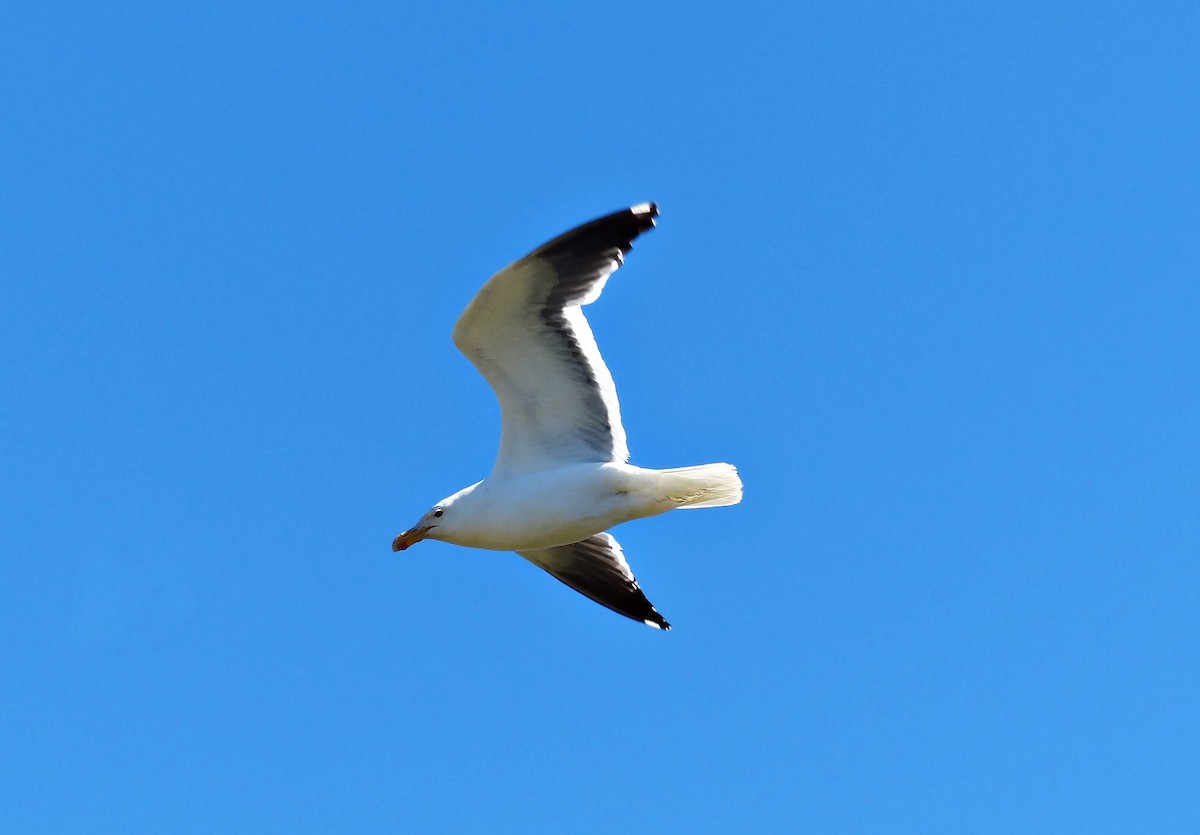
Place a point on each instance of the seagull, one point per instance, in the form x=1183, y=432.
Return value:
x=561, y=477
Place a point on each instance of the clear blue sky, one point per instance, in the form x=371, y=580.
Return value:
x=928, y=273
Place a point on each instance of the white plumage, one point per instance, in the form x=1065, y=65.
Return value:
x=560, y=478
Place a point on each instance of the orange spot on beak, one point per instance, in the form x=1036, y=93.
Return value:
x=408, y=538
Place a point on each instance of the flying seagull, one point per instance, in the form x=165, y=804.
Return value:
x=561, y=480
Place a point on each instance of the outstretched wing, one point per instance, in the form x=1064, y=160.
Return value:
x=596, y=567
x=526, y=333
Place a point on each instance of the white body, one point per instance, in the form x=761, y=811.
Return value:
x=542, y=509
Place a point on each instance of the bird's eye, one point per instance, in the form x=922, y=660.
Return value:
x=438, y=513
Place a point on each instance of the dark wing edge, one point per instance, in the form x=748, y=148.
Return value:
x=589, y=253
x=596, y=568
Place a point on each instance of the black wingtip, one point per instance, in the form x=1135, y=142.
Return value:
x=658, y=622
x=636, y=606
x=613, y=231
x=644, y=216
x=649, y=209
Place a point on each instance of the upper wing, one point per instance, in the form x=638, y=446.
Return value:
x=526, y=333
x=596, y=567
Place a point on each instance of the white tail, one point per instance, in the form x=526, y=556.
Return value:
x=706, y=485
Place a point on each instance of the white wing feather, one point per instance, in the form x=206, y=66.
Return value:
x=526, y=334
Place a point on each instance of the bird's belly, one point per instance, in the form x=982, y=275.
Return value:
x=549, y=509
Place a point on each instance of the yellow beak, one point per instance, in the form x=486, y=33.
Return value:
x=409, y=537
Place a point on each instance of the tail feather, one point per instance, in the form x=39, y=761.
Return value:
x=706, y=485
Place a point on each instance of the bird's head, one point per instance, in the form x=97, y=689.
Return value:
x=442, y=521
x=426, y=527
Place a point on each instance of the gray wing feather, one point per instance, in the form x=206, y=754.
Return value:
x=596, y=567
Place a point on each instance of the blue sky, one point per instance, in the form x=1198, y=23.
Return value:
x=926, y=272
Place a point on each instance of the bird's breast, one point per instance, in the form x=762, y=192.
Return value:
x=541, y=510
